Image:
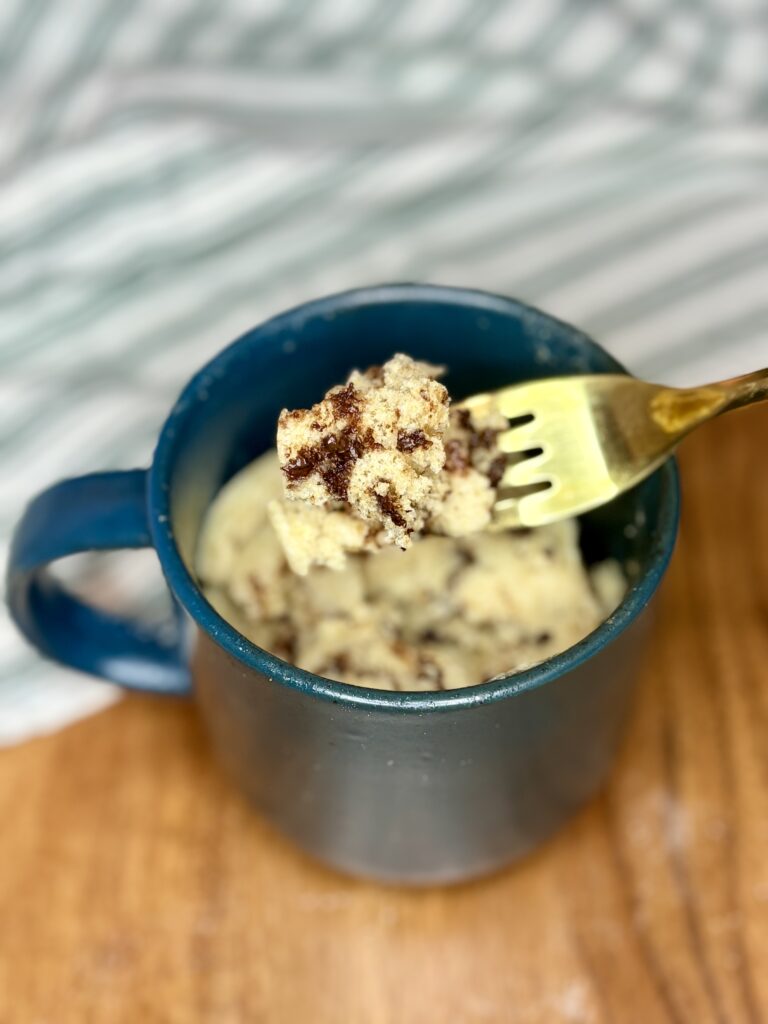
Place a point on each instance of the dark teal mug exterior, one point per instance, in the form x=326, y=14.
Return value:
x=419, y=788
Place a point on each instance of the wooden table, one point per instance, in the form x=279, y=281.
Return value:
x=137, y=886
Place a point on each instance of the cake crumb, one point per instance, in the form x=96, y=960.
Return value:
x=448, y=612
x=315, y=536
x=385, y=448
x=372, y=447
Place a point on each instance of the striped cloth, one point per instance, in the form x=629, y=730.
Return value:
x=174, y=171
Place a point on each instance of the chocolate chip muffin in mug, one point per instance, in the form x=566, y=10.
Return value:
x=357, y=550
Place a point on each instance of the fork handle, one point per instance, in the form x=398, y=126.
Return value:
x=746, y=390
x=678, y=410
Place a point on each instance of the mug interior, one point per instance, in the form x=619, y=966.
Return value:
x=227, y=416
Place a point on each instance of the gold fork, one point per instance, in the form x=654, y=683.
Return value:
x=576, y=442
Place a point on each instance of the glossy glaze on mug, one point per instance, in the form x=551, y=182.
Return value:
x=422, y=787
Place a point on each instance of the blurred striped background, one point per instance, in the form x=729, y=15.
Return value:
x=174, y=171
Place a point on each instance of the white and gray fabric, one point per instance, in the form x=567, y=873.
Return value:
x=174, y=171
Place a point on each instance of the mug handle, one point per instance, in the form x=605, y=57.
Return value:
x=97, y=512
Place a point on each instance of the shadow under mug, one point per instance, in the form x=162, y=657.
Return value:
x=408, y=787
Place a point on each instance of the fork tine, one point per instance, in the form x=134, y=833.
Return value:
x=538, y=509
x=518, y=439
x=518, y=400
x=511, y=402
x=535, y=509
x=526, y=472
x=481, y=404
x=506, y=514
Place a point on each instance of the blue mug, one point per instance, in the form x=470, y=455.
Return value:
x=408, y=787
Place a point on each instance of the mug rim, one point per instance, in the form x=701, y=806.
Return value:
x=191, y=597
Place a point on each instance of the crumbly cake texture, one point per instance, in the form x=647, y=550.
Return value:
x=385, y=450
x=446, y=613
x=311, y=535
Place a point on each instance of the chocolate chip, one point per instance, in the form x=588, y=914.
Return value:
x=303, y=464
x=350, y=446
x=285, y=648
x=496, y=470
x=333, y=458
x=467, y=557
x=340, y=663
x=340, y=454
x=409, y=440
x=346, y=402
x=456, y=456
x=429, y=669
x=389, y=507
x=542, y=638
x=483, y=438
x=465, y=419
x=429, y=636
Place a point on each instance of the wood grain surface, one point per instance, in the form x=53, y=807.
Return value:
x=137, y=886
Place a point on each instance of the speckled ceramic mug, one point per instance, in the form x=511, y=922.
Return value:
x=408, y=787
